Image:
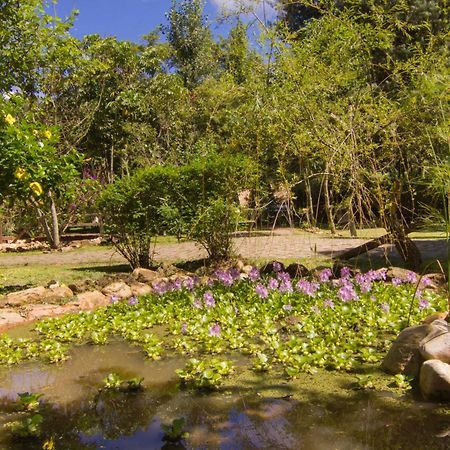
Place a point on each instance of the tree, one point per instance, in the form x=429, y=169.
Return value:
x=191, y=41
x=33, y=173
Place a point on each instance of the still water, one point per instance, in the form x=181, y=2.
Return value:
x=252, y=412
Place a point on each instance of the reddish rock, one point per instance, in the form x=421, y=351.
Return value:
x=145, y=275
x=119, y=289
x=91, y=300
x=10, y=318
x=139, y=289
x=25, y=297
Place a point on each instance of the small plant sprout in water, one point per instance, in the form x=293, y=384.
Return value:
x=205, y=374
x=364, y=382
x=28, y=402
x=175, y=432
x=112, y=381
x=403, y=382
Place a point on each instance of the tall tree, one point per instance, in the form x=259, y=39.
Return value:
x=191, y=41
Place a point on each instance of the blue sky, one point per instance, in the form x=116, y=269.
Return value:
x=128, y=19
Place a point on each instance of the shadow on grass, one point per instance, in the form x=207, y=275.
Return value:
x=115, y=268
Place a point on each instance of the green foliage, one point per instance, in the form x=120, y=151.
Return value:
x=30, y=421
x=28, y=402
x=115, y=382
x=205, y=374
x=198, y=200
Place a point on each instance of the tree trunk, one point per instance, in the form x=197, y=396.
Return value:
x=351, y=220
x=405, y=246
x=55, y=243
x=328, y=207
x=309, y=202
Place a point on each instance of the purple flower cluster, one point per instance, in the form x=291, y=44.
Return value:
x=161, y=288
x=325, y=275
x=228, y=277
x=261, y=290
x=385, y=307
x=273, y=284
x=254, y=274
x=277, y=267
x=347, y=293
x=307, y=287
x=208, y=298
x=133, y=301
x=214, y=330
x=411, y=277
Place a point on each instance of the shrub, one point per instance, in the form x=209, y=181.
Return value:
x=198, y=200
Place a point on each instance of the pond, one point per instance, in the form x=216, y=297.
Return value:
x=250, y=410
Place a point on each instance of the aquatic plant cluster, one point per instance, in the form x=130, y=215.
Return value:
x=293, y=325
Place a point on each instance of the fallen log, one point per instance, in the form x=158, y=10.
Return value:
x=364, y=248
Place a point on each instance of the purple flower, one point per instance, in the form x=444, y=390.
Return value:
x=261, y=290
x=208, y=298
x=113, y=299
x=287, y=307
x=325, y=275
x=425, y=281
x=328, y=303
x=159, y=288
x=345, y=272
x=284, y=277
x=224, y=277
x=411, y=277
x=214, y=330
x=132, y=301
x=235, y=273
x=308, y=288
x=177, y=285
x=385, y=307
x=272, y=284
x=347, y=293
x=276, y=266
x=315, y=309
x=396, y=281
x=197, y=303
x=184, y=328
x=254, y=274
x=285, y=286
x=423, y=303
x=189, y=284
x=373, y=298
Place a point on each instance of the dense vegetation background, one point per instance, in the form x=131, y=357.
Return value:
x=342, y=106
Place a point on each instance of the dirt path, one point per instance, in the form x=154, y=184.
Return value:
x=279, y=245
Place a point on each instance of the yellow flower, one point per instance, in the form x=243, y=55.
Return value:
x=36, y=188
x=35, y=133
x=19, y=173
x=9, y=119
x=48, y=134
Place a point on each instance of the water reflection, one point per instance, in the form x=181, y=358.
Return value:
x=77, y=417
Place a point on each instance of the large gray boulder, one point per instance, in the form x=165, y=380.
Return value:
x=435, y=380
x=436, y=345
x=404, y=356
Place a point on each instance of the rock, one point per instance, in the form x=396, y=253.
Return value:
x=10, y=318
x=404, y=356
x=247, y=269
x=26, y=296
x=118, y=289
x=91, y=300
x=35, y=312
x=435, y=380
x=297, y=270
x=404, y=275
x=81, y=286
x=436, y=345
x=57, y=293
x=145, y=275
x=436, y=316
x=139, y=289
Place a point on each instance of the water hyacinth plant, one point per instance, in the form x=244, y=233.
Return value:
x=295, y=325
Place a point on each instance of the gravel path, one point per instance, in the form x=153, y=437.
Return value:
x=279, y=245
